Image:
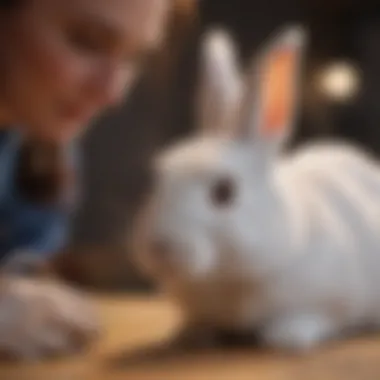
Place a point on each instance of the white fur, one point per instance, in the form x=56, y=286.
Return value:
x=296, y=255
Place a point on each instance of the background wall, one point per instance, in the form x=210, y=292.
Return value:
x=118, y=148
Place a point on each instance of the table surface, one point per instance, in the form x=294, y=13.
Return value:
x=134, y=324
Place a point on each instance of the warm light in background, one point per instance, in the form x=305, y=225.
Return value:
x=339, y=81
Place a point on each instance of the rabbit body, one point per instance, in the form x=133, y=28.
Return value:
x=294, y=252
x=307, y=252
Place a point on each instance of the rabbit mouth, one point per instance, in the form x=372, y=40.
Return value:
x=187, y=264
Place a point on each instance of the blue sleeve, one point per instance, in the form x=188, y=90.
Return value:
x=39, y=229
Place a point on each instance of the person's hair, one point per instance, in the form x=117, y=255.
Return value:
x=46, y=182
x=43, y=172
x=7, y=4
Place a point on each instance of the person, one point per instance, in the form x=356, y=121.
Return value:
x=61, y=64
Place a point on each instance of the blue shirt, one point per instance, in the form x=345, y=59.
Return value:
x=24, y=225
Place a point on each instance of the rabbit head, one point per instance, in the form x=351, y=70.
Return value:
x=212, y=197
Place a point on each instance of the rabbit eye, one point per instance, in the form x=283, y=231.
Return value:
x=222, y=192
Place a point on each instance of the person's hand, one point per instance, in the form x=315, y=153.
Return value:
x=40, y=317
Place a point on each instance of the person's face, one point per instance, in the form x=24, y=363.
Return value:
x=64, y=61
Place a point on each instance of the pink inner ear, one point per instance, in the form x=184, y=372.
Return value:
x=278, y=91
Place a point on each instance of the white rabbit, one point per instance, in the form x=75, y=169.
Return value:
x=247, y=238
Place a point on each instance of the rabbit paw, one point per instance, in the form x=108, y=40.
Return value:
x=300, y=333
x=40, y=318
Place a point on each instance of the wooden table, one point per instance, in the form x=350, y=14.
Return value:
x=133, y=323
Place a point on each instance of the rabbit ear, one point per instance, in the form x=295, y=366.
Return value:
x=270, y=103
x=219, y=86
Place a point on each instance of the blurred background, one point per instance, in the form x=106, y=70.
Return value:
x=341, y=89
